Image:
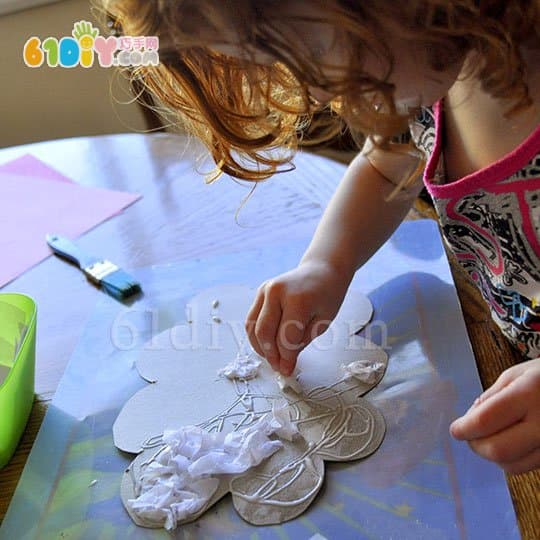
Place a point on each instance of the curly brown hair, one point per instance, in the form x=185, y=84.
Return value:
x=251, y=115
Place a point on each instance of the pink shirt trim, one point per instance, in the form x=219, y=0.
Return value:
x=500, y=170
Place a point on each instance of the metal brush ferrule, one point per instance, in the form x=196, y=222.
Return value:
x=99, y=270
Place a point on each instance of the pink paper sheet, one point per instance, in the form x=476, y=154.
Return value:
x=32, y=206
x=28, y=165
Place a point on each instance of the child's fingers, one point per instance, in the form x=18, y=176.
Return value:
x=251, y=321
x=290, y=338
x=266, y=329
x=509, y=445
x=287, y=364
x=525, y=464
x=314, y=329
x=504, y=379
x=502, y=410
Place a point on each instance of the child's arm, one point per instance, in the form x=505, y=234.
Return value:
x=503, y=424
x=292, y=309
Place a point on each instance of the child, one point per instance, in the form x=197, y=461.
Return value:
x=462, y=75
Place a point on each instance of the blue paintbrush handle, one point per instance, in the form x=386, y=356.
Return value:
x=101, y=272
x=69, y=250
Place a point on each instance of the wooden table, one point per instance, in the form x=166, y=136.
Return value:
x=166, y=226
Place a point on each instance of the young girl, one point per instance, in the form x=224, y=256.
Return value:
x=460, y=78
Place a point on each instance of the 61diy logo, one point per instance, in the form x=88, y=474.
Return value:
x=86, y=44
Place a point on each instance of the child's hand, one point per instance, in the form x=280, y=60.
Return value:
x=503, y=425
x=291, y=310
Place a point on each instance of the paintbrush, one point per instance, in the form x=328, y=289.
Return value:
x=102, y=272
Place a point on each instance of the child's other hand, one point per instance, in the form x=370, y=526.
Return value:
x=503, y=425
x=291, y=310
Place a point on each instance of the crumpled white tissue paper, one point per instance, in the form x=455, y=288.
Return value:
x=289, y=382
x=280, y=421
x=180, y=480
x=368, y=372
x=243, y=367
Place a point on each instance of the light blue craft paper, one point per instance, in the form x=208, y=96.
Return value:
x=420, y=484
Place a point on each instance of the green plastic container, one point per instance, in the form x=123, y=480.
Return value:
x=17, y=366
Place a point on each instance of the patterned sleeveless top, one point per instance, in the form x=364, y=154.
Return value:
x=491, y=221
